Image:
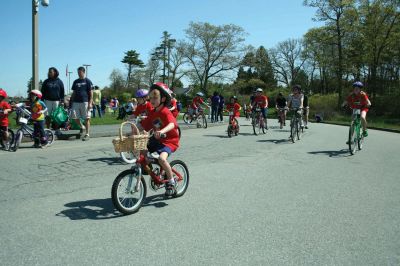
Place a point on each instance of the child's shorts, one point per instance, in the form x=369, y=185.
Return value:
x=155, y=145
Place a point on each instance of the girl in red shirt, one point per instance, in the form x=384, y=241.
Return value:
x=161, y=120
x=143, y=107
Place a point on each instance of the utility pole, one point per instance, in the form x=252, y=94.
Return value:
x=69, y=82
x=86, y=68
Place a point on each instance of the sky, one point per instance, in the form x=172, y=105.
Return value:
x=98, y=32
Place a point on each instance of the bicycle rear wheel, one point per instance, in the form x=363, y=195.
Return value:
x=186, y=118
x=179, y=167
x=123, y=194
x=229, y=131
x=352, y=141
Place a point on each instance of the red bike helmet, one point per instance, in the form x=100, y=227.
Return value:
x=164, y=91
x=37, y=93
x=3, y=93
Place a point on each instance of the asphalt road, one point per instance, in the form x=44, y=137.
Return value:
x=252, y=200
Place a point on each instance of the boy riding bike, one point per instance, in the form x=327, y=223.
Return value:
x=5, y=109
x=296, y=102
x=358, y=99
x=281, y=106
x=261, y=101
x=233, y=106
x=161, y=120
x=196, y=104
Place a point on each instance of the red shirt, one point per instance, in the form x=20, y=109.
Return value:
x=4, y=117
x=261, y=101
x=174, y=112
x=236, y=109
x=359, y=101
x=143, y=109
x=157, y=120
x=196, y=102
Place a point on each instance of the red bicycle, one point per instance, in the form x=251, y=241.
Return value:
x=129, y=188
x=233, y=126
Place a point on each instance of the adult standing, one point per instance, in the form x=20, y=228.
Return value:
x=215, y=99
x=82, y=101
x=103, y=104
x=52, y=93
x=96, y=101
x=221, y=108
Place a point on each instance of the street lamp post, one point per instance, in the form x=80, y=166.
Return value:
x=86, y=68
x=35, y=41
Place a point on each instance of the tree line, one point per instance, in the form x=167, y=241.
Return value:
x=358, y=40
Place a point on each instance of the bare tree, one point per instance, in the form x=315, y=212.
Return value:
x=287, y=60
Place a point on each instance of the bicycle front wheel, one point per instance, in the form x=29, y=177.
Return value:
x=124, y=195
x=262, y=125
x=204, y=121
x=181, y=175
x=49, y=136
x=255, y=124
x=293, y=130
x=352, y=141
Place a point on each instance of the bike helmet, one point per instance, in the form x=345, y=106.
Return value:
x=37, y=93
x=164, y=91
x=358, y=84
x=200, y=94
x=259, y=90
x=3, y=93
x=141, y=93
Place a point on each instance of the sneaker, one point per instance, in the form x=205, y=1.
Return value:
x=170, y=188
x=365, y=133
x=86, y=137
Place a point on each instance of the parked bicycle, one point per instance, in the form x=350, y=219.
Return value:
x=199, y=118
x=295, y=124
x=356, y=138
x=129, y=189
x=233, y=126
x=22, y=118
x=257, y=121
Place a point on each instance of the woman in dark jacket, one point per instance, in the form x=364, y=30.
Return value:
x=52, y=93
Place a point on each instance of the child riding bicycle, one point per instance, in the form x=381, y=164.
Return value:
x=143, y=107
x=233, y=106
x=162, y=122
x=261, y=101
x=358, y=99
x=5, y=109
x=196, y=104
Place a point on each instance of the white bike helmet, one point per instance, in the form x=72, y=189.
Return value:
x=259, y=90
x=200, y=94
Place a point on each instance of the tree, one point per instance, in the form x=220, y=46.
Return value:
x=264, y=68
x=177, y=60
x=213, y=51
x=287, y=59
x=132, y=60
x=117, y=80
x=339, y=17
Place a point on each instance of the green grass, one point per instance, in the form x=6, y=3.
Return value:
x=376, y=122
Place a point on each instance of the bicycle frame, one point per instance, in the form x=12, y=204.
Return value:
x=143, y=162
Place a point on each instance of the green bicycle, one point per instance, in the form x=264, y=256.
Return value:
x=356, y=138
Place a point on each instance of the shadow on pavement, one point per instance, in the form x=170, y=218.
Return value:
x=97, y=209
x=246, y=134
x=276, y=141
x=217, y=136
x=101, y=209
x=340, y=153
x=108, y=160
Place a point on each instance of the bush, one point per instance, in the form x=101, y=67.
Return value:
x=324, y=105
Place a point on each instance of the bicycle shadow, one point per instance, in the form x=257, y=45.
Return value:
x=103, y=209
x=96, y=209
x=336, y=154
x=275, y=141
x=108, y=160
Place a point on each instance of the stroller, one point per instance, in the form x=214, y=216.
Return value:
x=62, y=122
